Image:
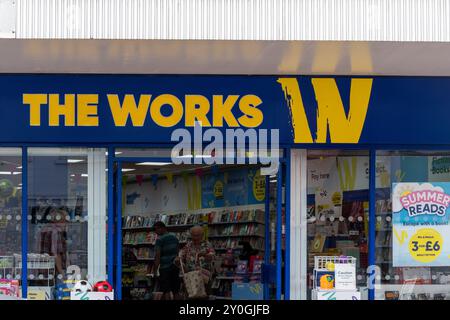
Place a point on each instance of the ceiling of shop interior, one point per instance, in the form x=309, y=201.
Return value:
x=148, y=170
x=225, y=57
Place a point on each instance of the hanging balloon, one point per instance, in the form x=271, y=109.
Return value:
x=139, y=179
x=169, y=177
x=154, y=180
x=6, y=188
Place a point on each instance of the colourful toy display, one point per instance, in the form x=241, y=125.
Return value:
x=327, y=282
x=82, y=286
x=103, y=286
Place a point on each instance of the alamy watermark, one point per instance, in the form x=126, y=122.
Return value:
x=229, y=146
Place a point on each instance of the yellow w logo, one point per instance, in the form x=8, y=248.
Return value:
x=400, y=237
x=347, y=178
x=330, y=110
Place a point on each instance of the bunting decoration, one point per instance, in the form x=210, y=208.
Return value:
x=139, y=179
x=199, y=172
x=169, y=177
x=154, y=180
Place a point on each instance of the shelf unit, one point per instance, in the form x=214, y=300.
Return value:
x=233, y=218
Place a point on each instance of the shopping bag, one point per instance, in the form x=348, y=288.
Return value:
x=194, y=283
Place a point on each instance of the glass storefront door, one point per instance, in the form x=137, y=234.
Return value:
x=337, y=220
x=66, y=190
x=233, y=208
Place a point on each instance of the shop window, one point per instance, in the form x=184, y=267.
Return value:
x=67, y=219
x=10, y=220
x=412, y=225
x=227, y=201
x=337, y=224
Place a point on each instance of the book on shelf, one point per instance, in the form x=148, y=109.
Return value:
x=143, y=237
x=225, y=216
x=416, y=275
x=139, y=237
x=238, y=230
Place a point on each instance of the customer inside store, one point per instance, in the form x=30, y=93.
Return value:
x=198, y=254
x=166, y=250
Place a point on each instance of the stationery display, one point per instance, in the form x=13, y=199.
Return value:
x=335, y=278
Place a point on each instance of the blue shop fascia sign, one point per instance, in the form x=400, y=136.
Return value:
x=147, y=109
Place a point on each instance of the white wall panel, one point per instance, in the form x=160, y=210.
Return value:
x=7, y=19
x=369, y=20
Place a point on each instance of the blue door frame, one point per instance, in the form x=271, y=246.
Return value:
x=115, y=214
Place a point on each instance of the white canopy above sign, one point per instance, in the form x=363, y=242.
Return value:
x=225, y=57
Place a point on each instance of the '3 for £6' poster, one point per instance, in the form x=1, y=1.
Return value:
x=420, y=224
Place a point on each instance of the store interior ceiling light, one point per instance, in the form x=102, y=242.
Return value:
x=19, y=167
x=74, y=160
x=153, y=163
x=197, y=156
x=116, y=153
x=16, y=172
x=127, y=169
x=5, y=172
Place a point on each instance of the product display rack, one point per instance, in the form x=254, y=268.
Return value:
x=383, y=229
x=347, y=236
x=6, y=266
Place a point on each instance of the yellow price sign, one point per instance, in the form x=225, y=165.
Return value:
x=218, y=190
x=259, y=186
x=425, y=245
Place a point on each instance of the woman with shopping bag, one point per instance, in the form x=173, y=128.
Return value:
x=196, y=263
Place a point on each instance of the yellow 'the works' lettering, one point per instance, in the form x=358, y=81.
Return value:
x=164, y=110
x=80, y=107
x=330, y=110
x=87, y=110
x=253, y=116
x=67, y=110
x=35, y=101
x=222, y=111
x=137, y=113
x=176, y=107
x=197, y=108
